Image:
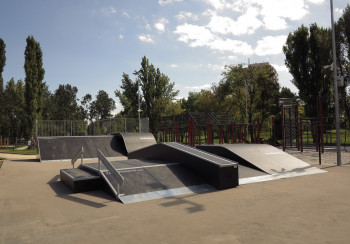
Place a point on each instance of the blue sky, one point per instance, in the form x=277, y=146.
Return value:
x=90, y=43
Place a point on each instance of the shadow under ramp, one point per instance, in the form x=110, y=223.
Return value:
x=146, y=179
x=63, y=192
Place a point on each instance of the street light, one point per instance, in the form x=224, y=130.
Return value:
x=336, y=102
x=138, y=103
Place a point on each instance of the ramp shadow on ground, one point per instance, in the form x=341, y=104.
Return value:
x=35, y=160
x=193, y=207
x=63, y=192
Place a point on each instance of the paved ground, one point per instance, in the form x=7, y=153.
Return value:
x=35, y=207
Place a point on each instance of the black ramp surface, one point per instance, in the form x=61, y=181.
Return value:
x=261, y=156
x=150, y=179
x=219, y=172
x=135, y=141
x=66, y=147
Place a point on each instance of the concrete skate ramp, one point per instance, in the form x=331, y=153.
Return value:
x=134, y=141
x=65, y=147
x=261, y=156
x=146, y=179
x=217, y=171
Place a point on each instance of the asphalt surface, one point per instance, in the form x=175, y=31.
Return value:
x=35, y=207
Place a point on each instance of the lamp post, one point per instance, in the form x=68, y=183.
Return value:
x=138, y=103
x=336, y=101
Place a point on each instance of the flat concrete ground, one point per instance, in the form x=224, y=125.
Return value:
x=35, y=207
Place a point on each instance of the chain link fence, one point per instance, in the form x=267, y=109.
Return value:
x=95, y=128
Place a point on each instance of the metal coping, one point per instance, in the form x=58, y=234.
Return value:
x=72, y=177
x=229, y=162
x=130, y=168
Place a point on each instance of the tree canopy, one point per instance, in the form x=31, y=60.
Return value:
x=157, y=93
x=253, y=90
x=2, y=62
x=34, y=71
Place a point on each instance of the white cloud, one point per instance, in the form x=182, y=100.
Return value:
x=160, y=24
x=174, y=65
x=280, y=68
x=124, y=13
x=198, y=36
x=121, y=36
x=247, y=23
x=148, y=27
x=270, y=45
x=215, y=67
x=316, y=1
x=146, y=38
x=287, y=9
x=339, y=10
x=198, y=88
x=235, y=46
x=217, y=4
x=165, y=2
x=275, y=23
x=182, y=16
x=195, y=35
x=108, y=11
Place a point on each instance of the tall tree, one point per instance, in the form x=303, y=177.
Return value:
x=128, y=96
x=307, y=53
x=203, y=101
x=2, y=63
x=103, y=106
x=158, y=92
x=34, y=86
x=343, y=59
x=65, y=103
x=14, y=109
x=252, y=90
x=86, y=105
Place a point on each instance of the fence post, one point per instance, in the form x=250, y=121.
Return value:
x=283, y=136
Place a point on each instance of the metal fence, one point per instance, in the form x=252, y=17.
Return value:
x=95, y=128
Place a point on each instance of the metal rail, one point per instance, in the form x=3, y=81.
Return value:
x=116, y=175
x=80, y=155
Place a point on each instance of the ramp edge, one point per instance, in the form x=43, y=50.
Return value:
x=166, y=193
x=278, y=176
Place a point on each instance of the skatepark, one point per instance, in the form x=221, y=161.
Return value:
x=37, y=208
x=236, y=198
x=157, y=170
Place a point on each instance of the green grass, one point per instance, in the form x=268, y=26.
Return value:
x=22, y=152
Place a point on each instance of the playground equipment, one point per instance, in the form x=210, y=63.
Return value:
x=206, y=128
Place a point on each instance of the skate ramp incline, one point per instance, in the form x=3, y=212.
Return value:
x=150, y=179
x=64, y=148
x=266, y=158
x=134, y=141
x=220, y=172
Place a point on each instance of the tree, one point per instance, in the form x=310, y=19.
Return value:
x=103, y=106
x=86, y=105
x=250, y=92
x=128, y=96
x=287, y=93
x=13, y=110
x=34, y=85
x=203, y=101
x=2, y=63
x=307, y=51
x=65, y=103
x=343, y=59
x=157, y=93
